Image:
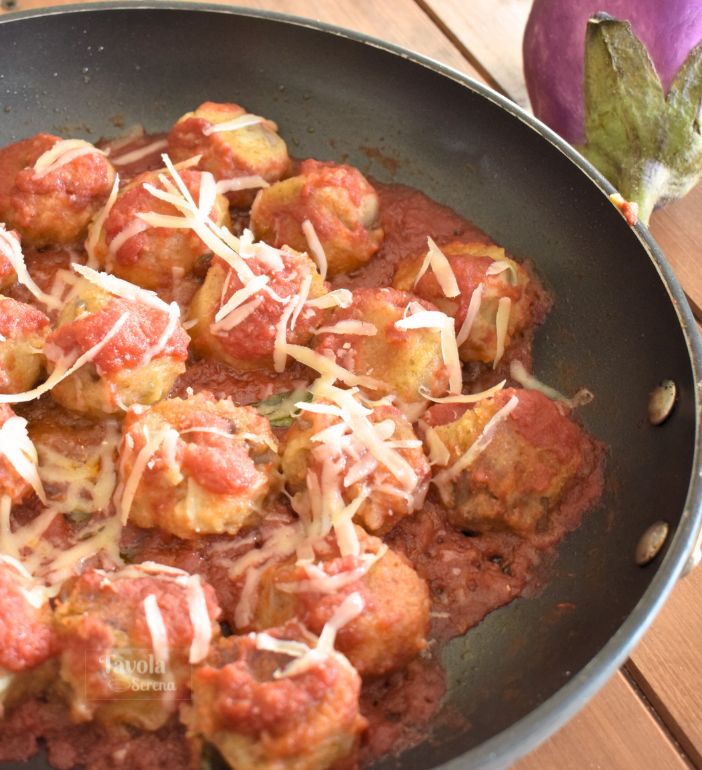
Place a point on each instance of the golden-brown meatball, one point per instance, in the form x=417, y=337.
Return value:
x=23, y=330
x=77, y=458
x=513, y=460
x=127, y=640
x=246, y=337
x=386, y=498
x=210, y=466
x=137, y=365
x=154, y=257
x=255, y=149
x=391, y=629
x=51, y=188
x=406, y=361
x=260, y=721
x=27, y=642
x=336, y=199
x=472, y=265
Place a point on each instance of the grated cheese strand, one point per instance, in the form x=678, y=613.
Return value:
x=242, y=121
x=10, y=248
x=134, y=228
x=199, y=618
x=504, y=307
x=97, y=224
x=141, y=152
x=471, y=314
x=63, y=152
x=129, y=489
x=241, y=183
x=360, y=328
x=337, y=298
x=441, y=267
x=20, y=452
x=518, y=373
x=157, y=629
x=463, y=398
x=239, y=297
x=315, y=246
x=439, y=453
x=121, y=288
x=168, y=331
x=328, y=368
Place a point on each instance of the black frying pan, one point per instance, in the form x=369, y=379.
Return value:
x=620, y=324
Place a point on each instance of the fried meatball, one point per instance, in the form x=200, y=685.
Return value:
x=27, y=642
x=245, y=338
x=387, y=498
x=149, y=256
x=336, y=199
x=135, y=366
x=473, y=265
x=253, y=150
x=126, y=641
x=77, y=458
x=211, y=466
x=529, y=457
x=13, y=486
x=392, y=628
x=23, y=330
x=260, y=721
x=51, y=188
x=7, y=272
x=402, y=361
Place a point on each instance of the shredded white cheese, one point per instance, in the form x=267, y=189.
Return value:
x=63, y=152
x=242, y=121
x=441, y=267
x=315, y=246
x=97, y=224
x=10, y=248
x=471, y=314
x=241, y=183
x=141, y=152
x=501, y=328
x=157, y=629
x=20, y=452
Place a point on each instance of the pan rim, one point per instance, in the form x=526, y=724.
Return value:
x=527, y=733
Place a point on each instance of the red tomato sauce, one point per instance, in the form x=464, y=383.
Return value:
x=141, y=330
x=468, y=575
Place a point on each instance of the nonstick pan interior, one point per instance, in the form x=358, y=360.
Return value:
x=616, y=327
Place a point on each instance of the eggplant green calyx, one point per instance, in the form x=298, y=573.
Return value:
x=648, y=145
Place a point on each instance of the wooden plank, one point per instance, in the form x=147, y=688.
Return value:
x=667, y=665
x=678, y=230
x=401, y=22
x=489, y=33
x=615, y=731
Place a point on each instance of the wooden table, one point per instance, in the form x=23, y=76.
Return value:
x=649, y=716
